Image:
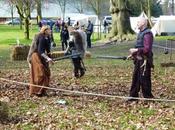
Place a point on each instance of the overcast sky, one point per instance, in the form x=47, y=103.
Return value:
x=49, y=10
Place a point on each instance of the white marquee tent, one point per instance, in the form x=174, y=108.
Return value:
x=163, y=24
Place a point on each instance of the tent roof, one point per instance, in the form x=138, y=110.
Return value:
x=143, y=15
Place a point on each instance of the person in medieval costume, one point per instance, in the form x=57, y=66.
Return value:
x=143, y=61
x=38, y=59
x=77, y=45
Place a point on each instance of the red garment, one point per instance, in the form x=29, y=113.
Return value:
x=148, y=41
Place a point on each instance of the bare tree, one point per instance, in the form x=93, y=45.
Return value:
x=11, y=8
x=147, y=7
x=9, y=2
x=172, y=7
x=95, y=6
x=24, y=8
x=98, y=7
x=62, y=4
x=38, y=8
x=78, y=5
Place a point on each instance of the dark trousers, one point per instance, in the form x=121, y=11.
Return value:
x=141, y=78
x=89, y=40
x=79, y=70
x=64, y=42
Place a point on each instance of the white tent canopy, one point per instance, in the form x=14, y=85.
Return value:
x=164, y=24
x=143, y=15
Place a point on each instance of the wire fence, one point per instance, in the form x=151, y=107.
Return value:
x=166, y=49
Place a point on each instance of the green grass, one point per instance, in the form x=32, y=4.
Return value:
x=9, y=34
x=28, y=126
x=164, y=37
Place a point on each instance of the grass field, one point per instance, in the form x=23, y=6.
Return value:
x=9, y=34
x=111, y=77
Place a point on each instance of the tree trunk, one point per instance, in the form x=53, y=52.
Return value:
x=81, y=6
x=39, y=12
x=64, y=10
x=165, y=7
x=12, y=14
x=21, y=22
x=172, y=8
x=20, y=15
x=24, y=13
x=149, y=13
x=98, y=14
x=26, y=28
x=120, y=18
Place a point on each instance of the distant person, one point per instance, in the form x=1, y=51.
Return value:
x=105, y=25
x=64, y=35
x=40, y=25
x=143, y=61
x=63, y=24
x=89, y=32
x=51, y=23
x=38, y=59
x=69, y=22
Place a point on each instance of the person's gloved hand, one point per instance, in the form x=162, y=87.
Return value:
x=129, y=57
x=50, y=61
x=133, y=50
